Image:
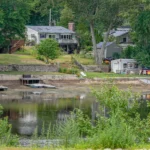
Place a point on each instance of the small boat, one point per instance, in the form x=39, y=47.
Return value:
x=41, y=86
x=145, y=81
x=3, y=88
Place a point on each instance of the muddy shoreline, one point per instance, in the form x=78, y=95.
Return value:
x=65, y=84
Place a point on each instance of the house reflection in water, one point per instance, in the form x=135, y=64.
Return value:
x=27, y=123
x=146, y=96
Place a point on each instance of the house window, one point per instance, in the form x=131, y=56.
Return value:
x=43, y=35
x=52, y=36
x=136, y=65
x=66, y=36
x=125, y=65
x=130, y=65
x=124, y=40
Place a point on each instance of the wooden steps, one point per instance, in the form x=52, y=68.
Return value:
x=15, y=45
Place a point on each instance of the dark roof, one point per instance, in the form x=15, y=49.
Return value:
x=50, y=29
x=119, y=33
x=99, y=45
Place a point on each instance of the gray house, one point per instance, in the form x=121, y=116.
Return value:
x=122, y=36
x=110, y=49
x=65, y=37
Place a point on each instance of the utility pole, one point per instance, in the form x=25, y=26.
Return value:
x=50, y=17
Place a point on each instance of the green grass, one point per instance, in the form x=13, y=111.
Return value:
x=26, y=51
x=84, y=61
x=145, y=146
x=110, y=75
x=7, y=59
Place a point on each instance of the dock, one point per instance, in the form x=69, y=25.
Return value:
x=41, y=86
x=27, y=79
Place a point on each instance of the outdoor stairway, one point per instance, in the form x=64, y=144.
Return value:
x=16, y=44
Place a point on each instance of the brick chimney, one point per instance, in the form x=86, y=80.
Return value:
x=71, y=26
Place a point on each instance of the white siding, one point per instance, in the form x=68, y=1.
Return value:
x=118, y=65
x=30, y=34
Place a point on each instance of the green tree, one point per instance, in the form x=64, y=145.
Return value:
x=129, y=52
x=66, y=16
x=142, y=33
x=49, y=48
x=106, y=14
x=13, y=16
x=41, y=10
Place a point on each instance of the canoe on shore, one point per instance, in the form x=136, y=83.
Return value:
x=3, y=88
x=41, y=86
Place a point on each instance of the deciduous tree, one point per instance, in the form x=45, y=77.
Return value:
x=66, y=16
x=14, y=15
x=49, y=48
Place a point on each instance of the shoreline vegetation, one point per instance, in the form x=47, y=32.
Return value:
x=90, y=75
x=122, y=129
x=118, y=124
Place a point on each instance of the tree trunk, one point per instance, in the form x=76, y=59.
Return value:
x=102, y=52
x=93, y=41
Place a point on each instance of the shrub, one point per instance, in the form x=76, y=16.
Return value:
x=6, y=137
x=69, y=70
x=49, y=49
x=39, y=57
x=68, y=132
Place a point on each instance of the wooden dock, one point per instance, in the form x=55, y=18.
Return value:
x=41, y=86
x=25, y=81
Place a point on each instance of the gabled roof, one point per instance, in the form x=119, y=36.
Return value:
x=99, y=45
x=50, y=29
x=119, y=33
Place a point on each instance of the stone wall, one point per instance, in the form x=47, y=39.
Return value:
x=30, y=68
x=4, y=77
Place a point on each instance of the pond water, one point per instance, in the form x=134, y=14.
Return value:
x=29, y=109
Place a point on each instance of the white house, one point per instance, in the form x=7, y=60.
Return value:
x=65, y=37
x=124, y=66
x=110, y=49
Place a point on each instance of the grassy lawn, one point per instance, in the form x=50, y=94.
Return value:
x=7, y=59
x=84, y=61
x=110, y=75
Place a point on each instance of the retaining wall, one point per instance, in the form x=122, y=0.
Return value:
x=4, y=77
x=30, y=68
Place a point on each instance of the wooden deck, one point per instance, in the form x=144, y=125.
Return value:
x=25, y=81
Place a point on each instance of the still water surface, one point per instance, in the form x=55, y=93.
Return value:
x=27, y=110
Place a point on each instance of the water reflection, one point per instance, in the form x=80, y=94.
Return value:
x=27, y=123
x=30, y=110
